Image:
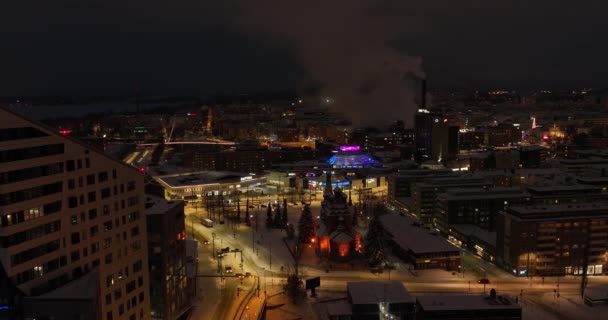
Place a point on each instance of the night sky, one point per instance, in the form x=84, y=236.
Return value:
x=202, y=47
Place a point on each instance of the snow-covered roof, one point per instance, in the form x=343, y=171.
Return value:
x=415, y=238
x=158, y=205
x=465, y=302
x=371, y=292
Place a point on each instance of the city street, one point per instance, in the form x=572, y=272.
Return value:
x=264, y=253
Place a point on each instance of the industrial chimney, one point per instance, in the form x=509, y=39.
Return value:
x=423, y=97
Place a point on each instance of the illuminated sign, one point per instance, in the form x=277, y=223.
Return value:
x=350, y=148
x=246, y=178
x=337, y=184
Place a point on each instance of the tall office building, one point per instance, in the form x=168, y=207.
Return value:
x=424, y=123
x=72, y=228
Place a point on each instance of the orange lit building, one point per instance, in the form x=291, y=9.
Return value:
x=337, y=238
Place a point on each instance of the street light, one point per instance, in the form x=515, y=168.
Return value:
x=213, y=236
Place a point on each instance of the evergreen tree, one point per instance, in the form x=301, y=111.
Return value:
x=375, y=239
x=306, y=227
x=269, y=222
x=247, y=219
x=284, y=219
x=291, y=231
x=294, y=288
x=238, y=208
x=277, y=218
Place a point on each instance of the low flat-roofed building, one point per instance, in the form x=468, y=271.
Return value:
x=475, y=239
x=340, y=310
x=200, y=184
x=412, y=242
x=553, y=240
x=369, y=299
x=467, y=307
x=76, y=300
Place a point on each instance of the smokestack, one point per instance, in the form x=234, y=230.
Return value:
x=423, y=98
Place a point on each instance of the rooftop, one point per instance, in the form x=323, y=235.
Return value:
x=562, y=187
x=204, y=178
x=488, y=237
x=371, y=292
x=340, y=308
x=83, y=288
x=415, y=238
x=465, y=302
x=482, y=193
x=559, y=211
x=158, y=205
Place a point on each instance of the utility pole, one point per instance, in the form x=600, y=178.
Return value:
x=213, y=236
x=269, y=255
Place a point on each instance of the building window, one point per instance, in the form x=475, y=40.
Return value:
x=107, y=242
x=79, y=164
x=108, y=299
x=92, y=214
x=102, y=176
x=113, y=173
x=131, y=286
x=134, y=231
x=87, y=162
x=137, y=266
x=121, y=309
x=72, y=202
x=94, y=231
x=92, y=196
x=75, y=255
x=90, y=179
x=95, y=247
x=108, y=258
x=71, y=184
x=70, y=165
x=75, y=237
x=105, y=193
x=117, y=294
x=109, y=316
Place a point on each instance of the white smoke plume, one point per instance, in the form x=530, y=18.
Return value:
x=345, y=46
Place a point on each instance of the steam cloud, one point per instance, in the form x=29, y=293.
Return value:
x=344, y=45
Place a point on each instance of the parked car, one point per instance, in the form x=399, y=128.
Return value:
x=228, y=269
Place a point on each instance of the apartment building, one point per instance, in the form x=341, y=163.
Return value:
x=554, y=240
x=69, y=214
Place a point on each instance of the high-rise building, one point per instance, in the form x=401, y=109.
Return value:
x=170, y=291
x=424, y=123
x=72, y=224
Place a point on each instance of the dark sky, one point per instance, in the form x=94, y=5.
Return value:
x=201, y=47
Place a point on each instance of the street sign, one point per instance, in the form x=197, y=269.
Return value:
x=313, y=283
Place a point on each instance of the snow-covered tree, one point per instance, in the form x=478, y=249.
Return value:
x=269, y=221
x=375, y=241
x=306, y=227
x=247, y=219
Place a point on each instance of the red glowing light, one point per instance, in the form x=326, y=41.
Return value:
x=142, y=169
x=545, y=137
x=445, y=120
x=64, y=132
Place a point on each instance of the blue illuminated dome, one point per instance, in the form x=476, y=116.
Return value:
x=357, y=159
